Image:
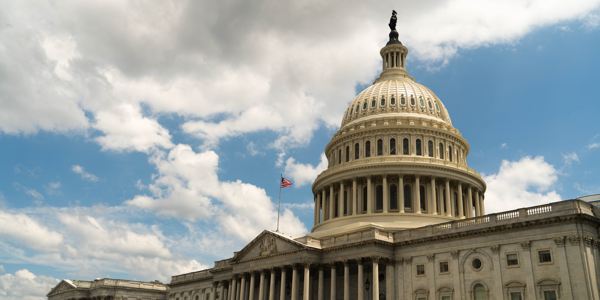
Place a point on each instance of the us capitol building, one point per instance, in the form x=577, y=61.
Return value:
x=398, y=214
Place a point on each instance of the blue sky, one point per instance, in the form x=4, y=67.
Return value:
x=153, y=150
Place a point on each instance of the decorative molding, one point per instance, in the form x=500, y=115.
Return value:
x=268, y=246
x=574, y=240
x=430, y=257
x=559, y=241
x=495, y=249
x=526, y=245
x=455, y=254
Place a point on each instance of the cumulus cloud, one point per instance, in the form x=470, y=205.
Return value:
x=228, y=68
x=303, y=174
x=187, y=186
x=85, y=175
x=593, y=146
x=526, y=182
x=26, y=231
x=24, y=285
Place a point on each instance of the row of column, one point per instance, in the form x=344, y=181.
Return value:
x=325, y=204
x=243, y=286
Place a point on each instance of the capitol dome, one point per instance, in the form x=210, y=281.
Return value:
x=396, y=162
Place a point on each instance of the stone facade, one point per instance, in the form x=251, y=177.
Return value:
x=108, y=289
x=530, y=253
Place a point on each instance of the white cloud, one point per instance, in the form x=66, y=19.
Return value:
x=228, y=68
x=23, y=230
x=570, y=158
x=85, y=175
x=53, y=188
x=302, y=174
x=24, y=285
x=593, y=146
x=187, y=187
x=125, y=128
x=526, y=182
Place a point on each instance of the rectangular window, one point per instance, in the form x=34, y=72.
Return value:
x=420, y=269
x=550, y=295
x=516, y=296
x=443, y=267
x=446, y=298
x=544, y=256
x=512, y=259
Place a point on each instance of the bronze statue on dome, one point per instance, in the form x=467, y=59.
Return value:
x=393, y=20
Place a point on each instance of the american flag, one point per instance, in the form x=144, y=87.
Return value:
x=285, y=183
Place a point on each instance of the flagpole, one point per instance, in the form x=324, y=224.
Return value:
x=279, y=203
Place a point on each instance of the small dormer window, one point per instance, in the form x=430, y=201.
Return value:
x=437, y=107
x=373, y=102
x=412, y=100
x=421, y=102
x=382, y=102
x=430, y=105
x=402, y=100
x=365, y=105
x=351, y=111
x=393, y=101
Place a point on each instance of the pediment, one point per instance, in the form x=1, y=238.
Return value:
x=268, y=244
x=62, y=286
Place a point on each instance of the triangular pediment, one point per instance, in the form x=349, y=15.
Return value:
x=62, y=286
x=267, y=244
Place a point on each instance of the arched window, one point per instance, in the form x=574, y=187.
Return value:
x=422, y=198
x=441, y=151
x=368, y=149
x=479, y=292
x=430, y=148
x=364, y=199
x=450, y=153
x=379, y=147
x=356, y=151
x=407, y=196
x=405, y=146
x=393, y=197
x=379, y=198
x=419, y=148
x=347, y=153
x=339, y=156
x=392, y=146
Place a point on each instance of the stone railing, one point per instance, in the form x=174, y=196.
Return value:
x=190, y=276
x=107, y=282
x=561, y=208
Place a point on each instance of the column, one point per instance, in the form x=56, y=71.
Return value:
x=318, y=209
x=243, y=287
x=281, y=284
x=361, y=293
x=306, y=291
x=332, y=284
x=375, y=279
x=482, y=203
x=261, y=286
x=331, y=202
x=401, y=193
x=477, y=206
x=386, y=197
x=324, y=204
x=232, y=288
x=341, y=201
x=389, y=280
x=461, y=210
x=346, y=281
x=417, y=196
x=469, y=203
x=320, y=284
x=354, y=196
x=251, y=289
x=295, y=282
x=369, y=195
x=448, y=202
x=221, y=290
x=432, y=200
x=272, y=285
x=214, y=291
